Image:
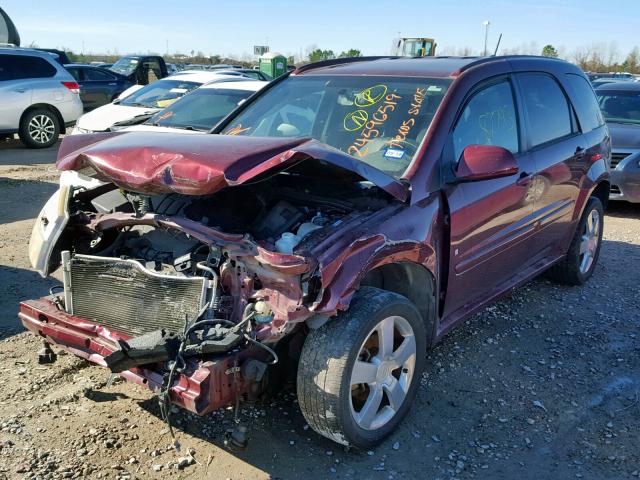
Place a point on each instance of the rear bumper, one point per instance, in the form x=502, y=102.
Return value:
x=204, y=385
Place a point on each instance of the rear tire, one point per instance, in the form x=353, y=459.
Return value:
x=582, y=257
x=359, y=373
x=39, y=128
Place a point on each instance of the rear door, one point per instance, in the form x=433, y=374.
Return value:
x=491, y=228
x=558, y=149
x=16, y=87
x=99, y=87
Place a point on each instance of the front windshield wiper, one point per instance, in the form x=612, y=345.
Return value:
x=137, y=104
x=181, y=127
x=133, y=120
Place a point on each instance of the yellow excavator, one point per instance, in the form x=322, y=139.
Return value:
x=416, y=47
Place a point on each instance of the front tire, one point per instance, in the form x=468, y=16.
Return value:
x=39, y=128
x=359, y=373
x=578, y=266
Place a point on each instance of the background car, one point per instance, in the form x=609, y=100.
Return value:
x=251, y=73
x=202, y=109
x=39, y=97
x=59, y=55
x=142, y=69
x=145, y=101
x=98, y=86
x=620, y=104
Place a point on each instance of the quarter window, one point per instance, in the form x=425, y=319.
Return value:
x=546, y=108
x=489, y=118
x=586, y=103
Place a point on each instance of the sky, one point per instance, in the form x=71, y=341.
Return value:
x=232, y=28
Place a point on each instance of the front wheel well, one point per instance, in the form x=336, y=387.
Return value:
x=45, y=106
x=413, y=282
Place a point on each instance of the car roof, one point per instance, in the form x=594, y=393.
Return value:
x=199, y=76
x=620, y=87
x=442, y=66
x=10, y=50
x=252, y=85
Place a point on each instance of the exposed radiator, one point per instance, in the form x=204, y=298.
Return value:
x=126, y=297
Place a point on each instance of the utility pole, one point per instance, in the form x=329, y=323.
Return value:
x=486, y=24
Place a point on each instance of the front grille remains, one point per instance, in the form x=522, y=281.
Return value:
x=616, y=158
x=126, y=297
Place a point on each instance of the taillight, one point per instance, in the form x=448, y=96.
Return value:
x=73, y=86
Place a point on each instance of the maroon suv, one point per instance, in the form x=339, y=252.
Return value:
x=340, y=222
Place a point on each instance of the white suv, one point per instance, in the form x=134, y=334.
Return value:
x=38, y=97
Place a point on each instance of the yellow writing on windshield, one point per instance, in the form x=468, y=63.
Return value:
x=407, y=125
x=370, y=96
x=355, y=120
x=370, y=131
x=237, y=130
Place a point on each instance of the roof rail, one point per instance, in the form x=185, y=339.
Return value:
x=340, y=61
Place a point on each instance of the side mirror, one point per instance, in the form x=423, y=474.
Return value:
x=483, y=162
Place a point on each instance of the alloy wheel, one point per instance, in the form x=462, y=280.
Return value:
x=41, y=128
x=382, y=373
x=589, y=241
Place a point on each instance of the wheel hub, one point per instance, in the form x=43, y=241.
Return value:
x=383, y=373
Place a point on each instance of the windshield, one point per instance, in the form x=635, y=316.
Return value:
x=200, y=110
x=620, y=107
x=159, y=94
x=125, y=66
x=379, y=120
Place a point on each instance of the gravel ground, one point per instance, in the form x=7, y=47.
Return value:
x=544, y=384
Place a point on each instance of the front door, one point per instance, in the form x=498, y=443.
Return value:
x=491, y=220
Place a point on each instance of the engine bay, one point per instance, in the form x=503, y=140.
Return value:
x=278, y=214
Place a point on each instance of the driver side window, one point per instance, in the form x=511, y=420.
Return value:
x=489, y=118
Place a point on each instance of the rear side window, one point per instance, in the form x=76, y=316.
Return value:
x=585, y=103
x=96, y=74
x=489, y=118
x=75, y=73
x=14, y=67
x=546, y=108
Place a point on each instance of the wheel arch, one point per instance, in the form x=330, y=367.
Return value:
x=46, y=106
x=411, y=280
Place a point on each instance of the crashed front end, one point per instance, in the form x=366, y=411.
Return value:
x=189, y=281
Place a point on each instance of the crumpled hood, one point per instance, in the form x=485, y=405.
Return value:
x=155, y=163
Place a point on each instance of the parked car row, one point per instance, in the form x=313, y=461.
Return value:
x=138, y=104
x=335, y=224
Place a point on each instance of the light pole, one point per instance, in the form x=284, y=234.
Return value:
x=486, y=24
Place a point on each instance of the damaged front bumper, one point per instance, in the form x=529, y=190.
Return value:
x=203, y=385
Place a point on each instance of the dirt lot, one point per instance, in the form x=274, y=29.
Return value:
x=545, y=384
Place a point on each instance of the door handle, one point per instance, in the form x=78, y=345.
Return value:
x=524, y=179
x=21, y=90
x=112, y=84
